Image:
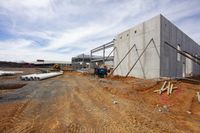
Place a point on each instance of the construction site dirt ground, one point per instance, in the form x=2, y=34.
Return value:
x=75, y=102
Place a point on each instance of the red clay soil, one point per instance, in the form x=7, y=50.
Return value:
x=182, y=106
x=77, y=103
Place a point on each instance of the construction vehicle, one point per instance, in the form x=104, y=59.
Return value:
x=101, y=72
x=55, y=68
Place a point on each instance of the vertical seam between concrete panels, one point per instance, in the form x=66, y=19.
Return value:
x=160, y=45
x=176, y=44
x=144, y=40
x=129, y=46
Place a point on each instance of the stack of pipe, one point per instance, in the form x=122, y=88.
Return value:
x=41, y=76
x=3, y=73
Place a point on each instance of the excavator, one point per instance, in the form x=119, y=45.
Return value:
x=55, y=68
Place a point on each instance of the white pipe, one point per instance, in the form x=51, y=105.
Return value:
x=49, y=75
x=30, y=77
x=10, y=72
x=40, y=76
x=26, y=77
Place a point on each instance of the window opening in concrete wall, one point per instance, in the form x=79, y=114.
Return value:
x=183, y=69
x=196, y=55
x=178, y=54
x=121, y=37
x=135, y=31
x=127, y=35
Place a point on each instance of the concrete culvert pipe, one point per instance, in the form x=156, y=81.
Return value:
x=31, y=78
x=41, y=76
x=49, y=75
x=8, y=73
x=27, y=77
x=35, y=78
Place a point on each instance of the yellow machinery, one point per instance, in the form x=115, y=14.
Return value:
x=56, y=67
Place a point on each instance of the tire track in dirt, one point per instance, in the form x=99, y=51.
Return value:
x=7, y=124
x=18, y=117
x=72, y=103
x=44, y=108
x=138, y=119
x=114, y=119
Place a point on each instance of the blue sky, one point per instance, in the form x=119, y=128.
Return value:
x=60, y=29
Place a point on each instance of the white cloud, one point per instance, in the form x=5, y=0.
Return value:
x=30, y=10
x=37, y=34
x=22, y=49
x=49, y=28
x=73, y=36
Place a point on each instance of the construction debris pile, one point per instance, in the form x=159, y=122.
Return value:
x=167, y=86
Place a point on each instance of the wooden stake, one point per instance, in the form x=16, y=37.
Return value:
x=171, y=89
x=198, y=96
x=156, y=91
x=168, y=88
x=161, y=89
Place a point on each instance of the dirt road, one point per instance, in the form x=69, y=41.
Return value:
x=75, y=103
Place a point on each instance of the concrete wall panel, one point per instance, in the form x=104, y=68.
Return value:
x=159, y=60
x=149, y=64
x=170, y=66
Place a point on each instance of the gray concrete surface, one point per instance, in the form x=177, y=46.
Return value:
x=159, y=60
x=170, y=66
